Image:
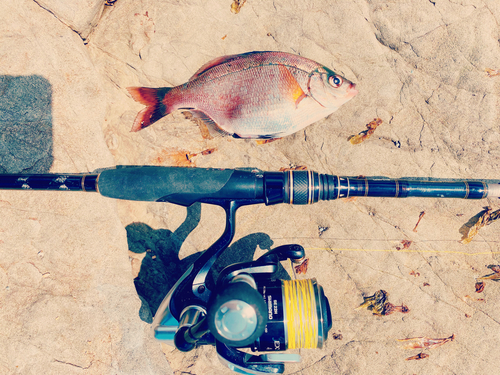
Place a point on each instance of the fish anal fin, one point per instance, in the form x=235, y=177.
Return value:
x=293, y=88
x=264, y=141
x=208, y=127
x=205, y=132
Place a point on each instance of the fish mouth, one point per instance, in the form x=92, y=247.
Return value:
x=351, y=90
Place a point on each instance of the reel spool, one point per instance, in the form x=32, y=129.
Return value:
x=274, y=316
x=298, y=316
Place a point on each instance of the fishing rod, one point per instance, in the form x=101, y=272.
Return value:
x=184, y=186
x=247, y=307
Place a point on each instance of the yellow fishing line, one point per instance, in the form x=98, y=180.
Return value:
x=302, y=319
x=405, y=251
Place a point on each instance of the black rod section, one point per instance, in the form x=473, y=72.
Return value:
x=49, y=181
x=306, y=187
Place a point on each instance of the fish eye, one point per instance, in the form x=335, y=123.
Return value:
x=335, y=81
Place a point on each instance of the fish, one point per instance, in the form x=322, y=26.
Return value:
x=256, y=95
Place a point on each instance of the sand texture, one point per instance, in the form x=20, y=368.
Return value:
x=70, y=262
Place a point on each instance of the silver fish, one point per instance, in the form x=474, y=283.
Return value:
x=252, y=95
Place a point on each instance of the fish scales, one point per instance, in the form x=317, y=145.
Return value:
x=253, y=95
x=251, y=101
x=256, y=60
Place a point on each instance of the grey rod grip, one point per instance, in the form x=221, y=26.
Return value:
x=178, y=185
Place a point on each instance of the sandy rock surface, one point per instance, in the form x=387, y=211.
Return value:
x=69, y=261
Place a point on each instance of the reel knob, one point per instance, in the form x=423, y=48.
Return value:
x=237, y=316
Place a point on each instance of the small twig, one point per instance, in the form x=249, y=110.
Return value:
x=418, y=221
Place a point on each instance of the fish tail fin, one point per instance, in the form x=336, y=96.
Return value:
x=153, y=99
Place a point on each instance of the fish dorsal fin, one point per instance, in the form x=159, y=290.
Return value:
x=221, y=60
x=209, y=65
x=213, y=128
x=293, y=88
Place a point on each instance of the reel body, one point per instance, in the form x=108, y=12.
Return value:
x=247, y=308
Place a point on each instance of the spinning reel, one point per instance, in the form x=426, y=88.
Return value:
x=247, y=308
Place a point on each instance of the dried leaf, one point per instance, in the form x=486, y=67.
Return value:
x=293, y=167
x=236, y=5
x=389, y=308
x=474, y=229
x=364, y=135
x=425, y=342
x=473, y=299
x=406, y=244
x=337, y=336
x=493, y=276
x=495, y=215
x=479, y=287
x=486, y=218
x=494, y=268
x=180, y=158
x=418, y=356
x=418, y=221
x=322, y=230
x=375, y=303
x=413, y=273
x=208, y=151
x=302, y=267
x=427, y=284
x=492, y=72
x=379, y=305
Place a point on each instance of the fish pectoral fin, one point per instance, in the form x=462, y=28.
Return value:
x=292, y=87
x=208, y=126
x=299, y=99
